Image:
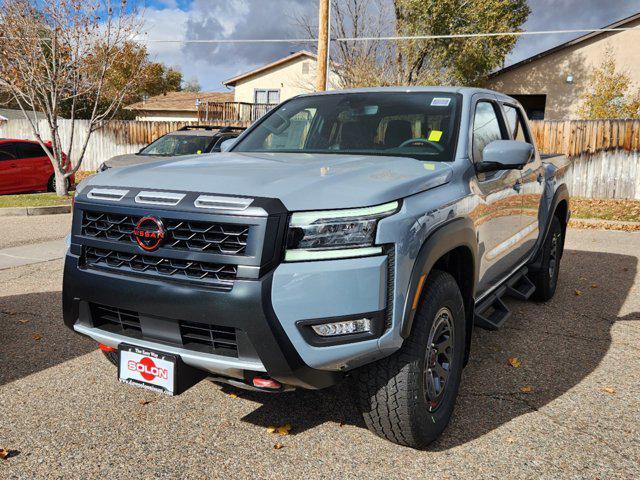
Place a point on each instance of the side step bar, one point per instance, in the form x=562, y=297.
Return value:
x=492, y=312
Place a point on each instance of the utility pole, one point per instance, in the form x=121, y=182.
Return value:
x=323, y=46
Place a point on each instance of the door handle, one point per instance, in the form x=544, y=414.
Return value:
x=13, y=165
x=517, y=186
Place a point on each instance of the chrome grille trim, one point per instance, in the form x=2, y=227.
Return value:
x=108, y=194
x=159, y=198
x=222, y=203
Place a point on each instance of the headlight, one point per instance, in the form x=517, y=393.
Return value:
x=335, y=233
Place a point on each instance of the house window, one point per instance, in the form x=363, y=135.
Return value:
x=271, y=97
x=534, y=105
x=305, y=68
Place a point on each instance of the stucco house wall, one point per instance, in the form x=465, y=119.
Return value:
x=548, y=74
x=293, y=77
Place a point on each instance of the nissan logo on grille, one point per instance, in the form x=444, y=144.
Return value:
x=149, y=233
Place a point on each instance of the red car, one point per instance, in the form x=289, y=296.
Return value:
x=25, y=167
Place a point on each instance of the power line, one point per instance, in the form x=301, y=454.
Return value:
x=389, y=38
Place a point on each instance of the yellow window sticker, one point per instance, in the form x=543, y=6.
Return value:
x=199, y=152
x=435, y=136
x=429, y=166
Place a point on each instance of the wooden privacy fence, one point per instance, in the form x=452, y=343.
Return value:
x=604, y=154
x=577, y=137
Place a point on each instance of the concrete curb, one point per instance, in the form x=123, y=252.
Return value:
x=32, y=211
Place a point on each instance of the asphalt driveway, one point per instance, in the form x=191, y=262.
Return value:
x=571, y=410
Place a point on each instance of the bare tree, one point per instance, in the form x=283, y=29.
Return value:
x=361, y=63
x=61, y=56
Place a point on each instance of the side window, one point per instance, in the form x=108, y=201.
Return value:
x=515, y=124
x=486, y=128
x=7, y=151
x=30, y=150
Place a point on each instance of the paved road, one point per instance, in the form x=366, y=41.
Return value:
x=68, y=417
x=23, y=230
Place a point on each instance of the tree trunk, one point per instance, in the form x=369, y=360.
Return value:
x=60, y=183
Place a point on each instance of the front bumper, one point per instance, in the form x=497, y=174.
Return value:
x=265, y=312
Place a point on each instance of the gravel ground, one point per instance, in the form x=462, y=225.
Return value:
x=23, y=230
x=66, y=416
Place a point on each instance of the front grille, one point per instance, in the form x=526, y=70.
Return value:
x=117, y=320
x=196, y=236
x=218, y=275
x=209, y=338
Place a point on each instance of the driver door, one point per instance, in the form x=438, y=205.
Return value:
x=497, y=215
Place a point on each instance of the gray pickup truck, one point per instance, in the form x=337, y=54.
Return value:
x=353, y=234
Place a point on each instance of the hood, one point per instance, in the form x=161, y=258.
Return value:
x=131, y=159
x=300, y=181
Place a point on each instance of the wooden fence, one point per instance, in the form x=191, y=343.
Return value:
x=604, y=154
x=577, y=137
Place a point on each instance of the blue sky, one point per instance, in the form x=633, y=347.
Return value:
x=207, y=19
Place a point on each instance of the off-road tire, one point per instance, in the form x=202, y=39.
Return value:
x=112, y=357
x=546, y=278
x=391, y=393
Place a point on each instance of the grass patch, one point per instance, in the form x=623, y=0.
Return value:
x=606, y=209
x=33, y=200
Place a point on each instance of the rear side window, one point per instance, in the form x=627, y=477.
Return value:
x=486, y=128
x=30, y=150
x=7, y=151
x=513, y=117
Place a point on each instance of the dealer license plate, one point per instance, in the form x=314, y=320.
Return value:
x=147, y=369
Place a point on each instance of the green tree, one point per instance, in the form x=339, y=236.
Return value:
x=462, y=61
x=609, y=93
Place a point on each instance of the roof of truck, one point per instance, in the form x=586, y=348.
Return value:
x=461, y=90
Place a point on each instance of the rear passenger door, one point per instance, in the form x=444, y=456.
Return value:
x=497, y=215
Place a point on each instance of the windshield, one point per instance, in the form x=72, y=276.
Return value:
x=178, y=145
x=421, y=125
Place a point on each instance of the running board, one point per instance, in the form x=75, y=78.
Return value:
x=492, y=312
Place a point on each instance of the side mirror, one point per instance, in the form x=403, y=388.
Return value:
x=227, y=144
x=505, y=155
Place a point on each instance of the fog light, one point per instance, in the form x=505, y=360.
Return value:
x=343, y=328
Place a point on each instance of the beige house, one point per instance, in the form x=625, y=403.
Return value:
x=175, y=106
x=550, y=84
x=279, y=80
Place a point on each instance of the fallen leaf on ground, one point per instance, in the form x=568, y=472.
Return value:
x=594, y=285
x=284, y=430
x=341, y=424
x=514, y=362
x=527, y=389
x=6, y=453
x=271, y=429
x=23, y=321
x=610, y=390
x=37, y=336
x=577, y=293
x=233, y=395
x=144, y=402
x=278, y=446
x=511, y=439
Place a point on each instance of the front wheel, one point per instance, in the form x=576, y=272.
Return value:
x=408, y=397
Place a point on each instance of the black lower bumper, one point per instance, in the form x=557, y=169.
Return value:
x=247, y=307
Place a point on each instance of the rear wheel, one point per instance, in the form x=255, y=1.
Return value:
x=546, y=279
x=408, y=397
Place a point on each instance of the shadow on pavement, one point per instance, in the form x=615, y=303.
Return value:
x=33, y=336
x=559, y=343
